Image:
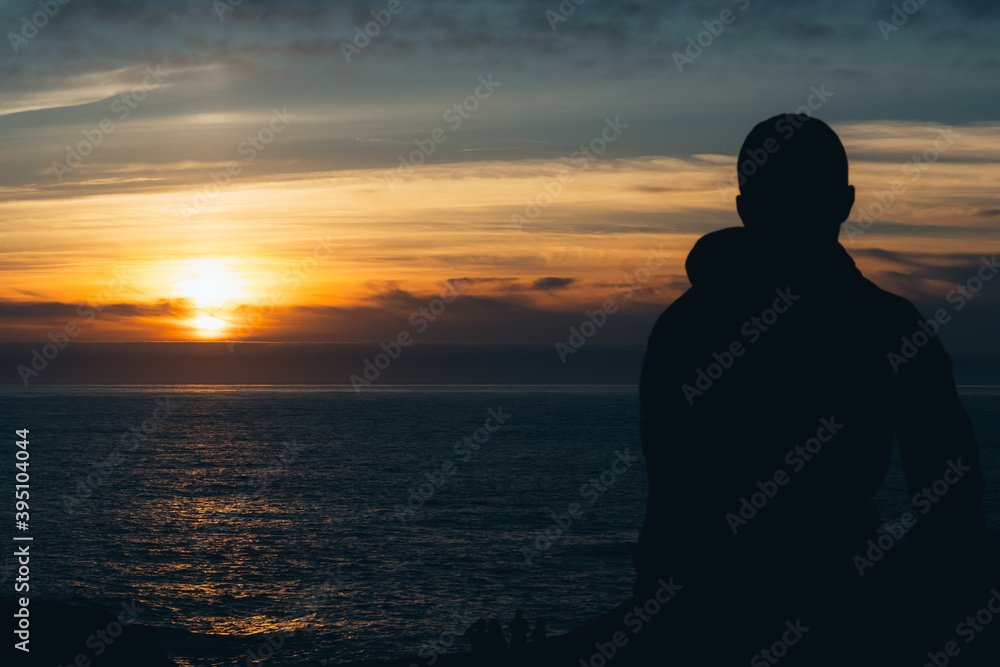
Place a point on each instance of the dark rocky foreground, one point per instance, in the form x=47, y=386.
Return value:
x=71, y=635
x=958, y=625
x=918, y=615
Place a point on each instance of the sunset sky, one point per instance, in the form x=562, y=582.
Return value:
x=317, y=226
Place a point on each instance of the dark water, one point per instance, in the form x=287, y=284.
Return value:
x=255, y=518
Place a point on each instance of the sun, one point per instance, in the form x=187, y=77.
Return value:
x=212, y=287
x=209, y=283
x=208, y=325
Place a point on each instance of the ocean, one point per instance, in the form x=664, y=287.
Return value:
x=296, y=525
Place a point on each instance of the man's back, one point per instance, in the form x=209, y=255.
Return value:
x=770, y=394
x=769, y=404
x=774, y=364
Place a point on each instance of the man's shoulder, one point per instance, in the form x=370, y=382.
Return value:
x=888, y=305
x=678, y=309
x=868, y=299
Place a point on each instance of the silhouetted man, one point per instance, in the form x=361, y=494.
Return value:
x=538, y=633
x=770, y=394
x=495, y=642
x=518, y=628
x=477, y=638
x=769, y=400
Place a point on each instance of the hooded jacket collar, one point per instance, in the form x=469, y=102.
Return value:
x=737, y=257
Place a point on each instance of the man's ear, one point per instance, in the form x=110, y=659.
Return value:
x=745, y=206
x=741, y=208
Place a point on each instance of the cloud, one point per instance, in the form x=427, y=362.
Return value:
x=32, y=311
x=928, y=278
x=548, y=284
x=35, y=310
x=664, y=182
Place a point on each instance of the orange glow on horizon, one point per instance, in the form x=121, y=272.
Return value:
x=320, y=254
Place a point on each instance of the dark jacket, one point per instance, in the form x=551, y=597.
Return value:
x=774, y=349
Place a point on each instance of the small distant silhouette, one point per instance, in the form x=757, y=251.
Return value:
x=477, y=637
x=496, y=642
x=538, y=634
x=518, y=629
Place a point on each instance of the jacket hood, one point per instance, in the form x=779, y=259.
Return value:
x=737, y=256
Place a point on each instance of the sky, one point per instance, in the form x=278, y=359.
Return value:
x=248, y=172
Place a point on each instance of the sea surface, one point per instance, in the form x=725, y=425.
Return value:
x=295, y=525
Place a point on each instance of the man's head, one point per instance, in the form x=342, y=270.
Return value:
x=793, y=178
